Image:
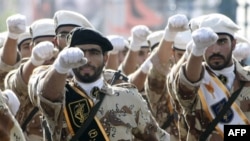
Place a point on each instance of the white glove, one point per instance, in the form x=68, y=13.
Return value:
x=69, y=58
x=12, y=101
x=241, y=51
x=139, y=35
x=16, y=25
x=42, y=52
x=146, y=65
x=203, y=38
x=176, y=23
x=118, y=43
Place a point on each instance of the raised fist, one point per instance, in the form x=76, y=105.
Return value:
x=203, y=38
x=16, y=25
x=42, y=52
x=176, y=23
x=69, y=58
x=118, y=42
x=139, y=35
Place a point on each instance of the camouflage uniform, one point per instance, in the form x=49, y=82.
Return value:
x=14, y=81
x=187, y=95
x=9, y=127
x=123, y=113
x=5, y=69
x=161, y=101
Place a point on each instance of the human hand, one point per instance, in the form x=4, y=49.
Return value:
x=203, y=38
x=139, y=35
x=42, y=52
x=16, y=24
x=176, y=23
x=69, y=58
x=118, y=42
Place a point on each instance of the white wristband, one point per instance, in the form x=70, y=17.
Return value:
x=36, y=62
x=60, y=69
x=198, y=52
x=169, y=36
x=13, y=35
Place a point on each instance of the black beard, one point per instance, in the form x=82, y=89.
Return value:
x=88, y=78
x=220, y=67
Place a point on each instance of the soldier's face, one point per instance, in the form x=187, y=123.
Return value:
x=61, y=35
x=91, y=71
x=219, y=55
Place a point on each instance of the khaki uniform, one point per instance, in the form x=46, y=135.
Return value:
x=5, y=69
x=123, y=113
x=9, y=127
x=15, y=82
x=161, y=101
x=194, y=112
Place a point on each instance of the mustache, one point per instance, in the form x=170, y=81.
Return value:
x=216, y=55
x=87, y=66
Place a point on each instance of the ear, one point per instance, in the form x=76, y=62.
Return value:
x=105, y=57
x=55, y=41
x=234, y=44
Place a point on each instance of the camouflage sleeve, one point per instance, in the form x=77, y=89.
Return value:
x=5, y=67
x=184, y=90
x=13, y=80
x=146, y=126
x=52, y=111
x=156, y=92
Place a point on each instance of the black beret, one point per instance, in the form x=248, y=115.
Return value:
x=81, y=35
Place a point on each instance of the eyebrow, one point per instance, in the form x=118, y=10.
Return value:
x=91, y=49
x=66, y=32
x=222, y=39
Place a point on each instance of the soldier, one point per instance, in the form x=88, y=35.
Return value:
x=170, y=50
x=116, y=56
x=197, y=85
x=24, y=44
x=138, y=77
x=28, y=116
x=9, y=128
x=10, y=57
x=138, y=49
x=122, y=115
x=65, y=21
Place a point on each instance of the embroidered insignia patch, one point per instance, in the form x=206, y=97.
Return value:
x=79, y=111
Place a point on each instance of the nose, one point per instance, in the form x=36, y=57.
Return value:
x=215, y=48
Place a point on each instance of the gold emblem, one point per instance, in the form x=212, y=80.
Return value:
x=79, y=111
x=93, y=133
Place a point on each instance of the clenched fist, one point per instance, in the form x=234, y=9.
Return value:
x=16, y=25
x=69, y=58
